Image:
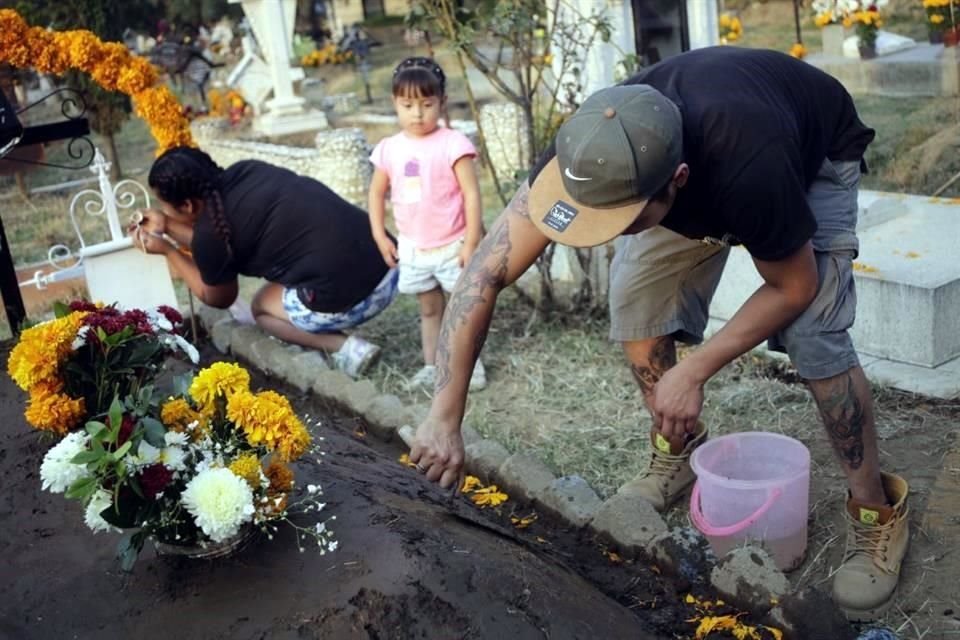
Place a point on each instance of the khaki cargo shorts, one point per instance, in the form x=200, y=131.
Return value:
x=661, y=283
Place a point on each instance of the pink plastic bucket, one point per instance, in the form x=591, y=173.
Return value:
x=753, y=487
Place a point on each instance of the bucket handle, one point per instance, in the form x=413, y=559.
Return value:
x=700, y=520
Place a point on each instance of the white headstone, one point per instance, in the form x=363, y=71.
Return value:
x=703, y=23
x=272, y=22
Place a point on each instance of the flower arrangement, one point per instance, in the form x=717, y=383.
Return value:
x=798, y=51
x=942, y=15
x=73, y=366
x=731, y=28
x=329, y=54
x=230, y=105
x=213, y=468
x=827, y=12
x=110, y=64
x=867, y=22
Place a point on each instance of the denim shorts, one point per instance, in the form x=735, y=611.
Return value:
x=317, y=322
x=661, y=283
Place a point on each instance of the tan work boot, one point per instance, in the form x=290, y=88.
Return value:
x=669, y=474
x=877, y=538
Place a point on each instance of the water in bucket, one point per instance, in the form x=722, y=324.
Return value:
x=753, y=487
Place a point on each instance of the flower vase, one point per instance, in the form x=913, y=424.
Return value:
x=868, y=51
x=832, y=35
x=210, y=550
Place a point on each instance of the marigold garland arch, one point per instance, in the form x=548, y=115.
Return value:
x=110, y=64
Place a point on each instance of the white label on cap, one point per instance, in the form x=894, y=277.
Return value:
x=560, y=216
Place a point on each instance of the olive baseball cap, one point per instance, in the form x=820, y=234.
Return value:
x=613, y=154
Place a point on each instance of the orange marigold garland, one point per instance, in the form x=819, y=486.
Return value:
x=110, y=65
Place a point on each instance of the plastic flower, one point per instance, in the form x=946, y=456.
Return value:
x=798, y=51
x=100, y=501
x=247, y=467
x=219, y=501
x=57, y=473
x=51, y=410
x=219, y=379
x=154, y=479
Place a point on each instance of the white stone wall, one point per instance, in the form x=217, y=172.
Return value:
x=506, y=133
x=340, y=159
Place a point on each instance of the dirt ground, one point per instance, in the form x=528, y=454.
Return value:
x=413, y=563
x=917, y=439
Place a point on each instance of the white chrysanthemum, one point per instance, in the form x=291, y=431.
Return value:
x=219, y=502
x=158, y=321
x=81, y=338
x=173, y=458
x=187, y=348
x=175, y=439
x=146, y=455
x=57, y=472
x=101, y=500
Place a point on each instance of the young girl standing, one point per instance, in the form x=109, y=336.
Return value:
x=429, y=173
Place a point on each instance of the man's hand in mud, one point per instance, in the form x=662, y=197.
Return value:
x=437, y=452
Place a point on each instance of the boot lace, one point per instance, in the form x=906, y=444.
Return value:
x=868, y=540
x=663, y=464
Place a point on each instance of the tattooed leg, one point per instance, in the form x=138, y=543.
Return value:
x=649, y=359
x=846, y=408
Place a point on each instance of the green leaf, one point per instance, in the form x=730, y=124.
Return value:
x=60, y=310
x=116, y=416
x=153, y=431
x=95, y=428
x=85, y=456
x=181, y=384
x=122, y=451
x=82, y=488
x=129, y=549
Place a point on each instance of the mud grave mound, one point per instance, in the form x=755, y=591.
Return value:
x=413, y=562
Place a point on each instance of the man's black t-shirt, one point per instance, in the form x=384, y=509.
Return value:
x=757, y=126
x=292, y=230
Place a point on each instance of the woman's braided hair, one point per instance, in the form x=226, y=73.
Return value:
x=183, y=173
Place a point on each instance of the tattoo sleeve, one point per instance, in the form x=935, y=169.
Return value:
x=844, y=417
x=663, y=355
x=483, y=278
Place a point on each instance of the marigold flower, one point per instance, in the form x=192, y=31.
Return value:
x=51, y=410
x=247, y=467
x=42, y=350
x=219, y=379
x=110, y=65
x=267, y=419
x=280, y=476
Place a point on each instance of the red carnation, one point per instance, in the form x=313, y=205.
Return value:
x=154, y=479
x=82, y=305
x=126, y=430
x=170, y=314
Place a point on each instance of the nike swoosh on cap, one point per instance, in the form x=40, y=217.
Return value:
x=573, y=177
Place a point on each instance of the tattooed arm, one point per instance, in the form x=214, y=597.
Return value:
x=507, y=251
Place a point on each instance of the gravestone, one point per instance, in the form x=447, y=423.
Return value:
x=285, y=112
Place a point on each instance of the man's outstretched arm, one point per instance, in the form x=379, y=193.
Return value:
x=507, y=251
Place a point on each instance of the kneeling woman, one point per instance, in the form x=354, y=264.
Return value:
x=324, y=272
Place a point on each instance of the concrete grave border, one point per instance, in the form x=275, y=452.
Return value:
x=625, y=520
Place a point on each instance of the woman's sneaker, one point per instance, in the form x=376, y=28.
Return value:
x=478, y=379
x=423, y=379
x=355, y=356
